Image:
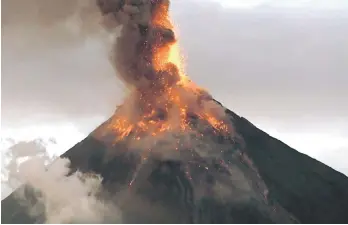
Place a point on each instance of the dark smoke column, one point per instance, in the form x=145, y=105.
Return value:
x=145, y=30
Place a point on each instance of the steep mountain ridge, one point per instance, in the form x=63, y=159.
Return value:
x=273, y=183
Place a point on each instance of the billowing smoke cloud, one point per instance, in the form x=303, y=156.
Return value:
x=66, y=199
x=53, y=195
x=18, y=153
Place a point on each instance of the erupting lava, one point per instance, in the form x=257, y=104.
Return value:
x=147, y=57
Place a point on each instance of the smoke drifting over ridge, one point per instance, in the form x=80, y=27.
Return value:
x=52, y=193
x=76, y=200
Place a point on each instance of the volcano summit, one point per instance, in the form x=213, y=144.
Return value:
x=172, y=154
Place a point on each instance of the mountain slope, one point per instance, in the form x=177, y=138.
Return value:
x=281, y=185
x=310, y=190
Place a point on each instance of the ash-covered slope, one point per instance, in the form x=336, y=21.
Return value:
x=265, y=181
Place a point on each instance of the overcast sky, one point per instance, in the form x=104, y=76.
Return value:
x=281, y=64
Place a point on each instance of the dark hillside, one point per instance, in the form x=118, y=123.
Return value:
x=280, y=186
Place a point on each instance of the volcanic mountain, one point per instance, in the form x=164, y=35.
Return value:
x=280, y=186
x=172, y=154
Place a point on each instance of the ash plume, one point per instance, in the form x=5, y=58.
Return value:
x=146, y=57
x=140, y=38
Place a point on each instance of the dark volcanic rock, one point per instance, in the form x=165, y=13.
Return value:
x=310, y=190
x=281, y=185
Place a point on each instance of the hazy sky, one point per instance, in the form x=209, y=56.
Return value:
x=282, y=65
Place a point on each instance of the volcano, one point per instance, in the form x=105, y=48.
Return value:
x=172, y=154
x=281, y=185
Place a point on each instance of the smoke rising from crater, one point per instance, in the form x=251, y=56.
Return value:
x=146, y=56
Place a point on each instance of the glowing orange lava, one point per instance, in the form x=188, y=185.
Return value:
x=171, y=100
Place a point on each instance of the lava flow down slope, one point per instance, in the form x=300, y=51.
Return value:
x=173, y=154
